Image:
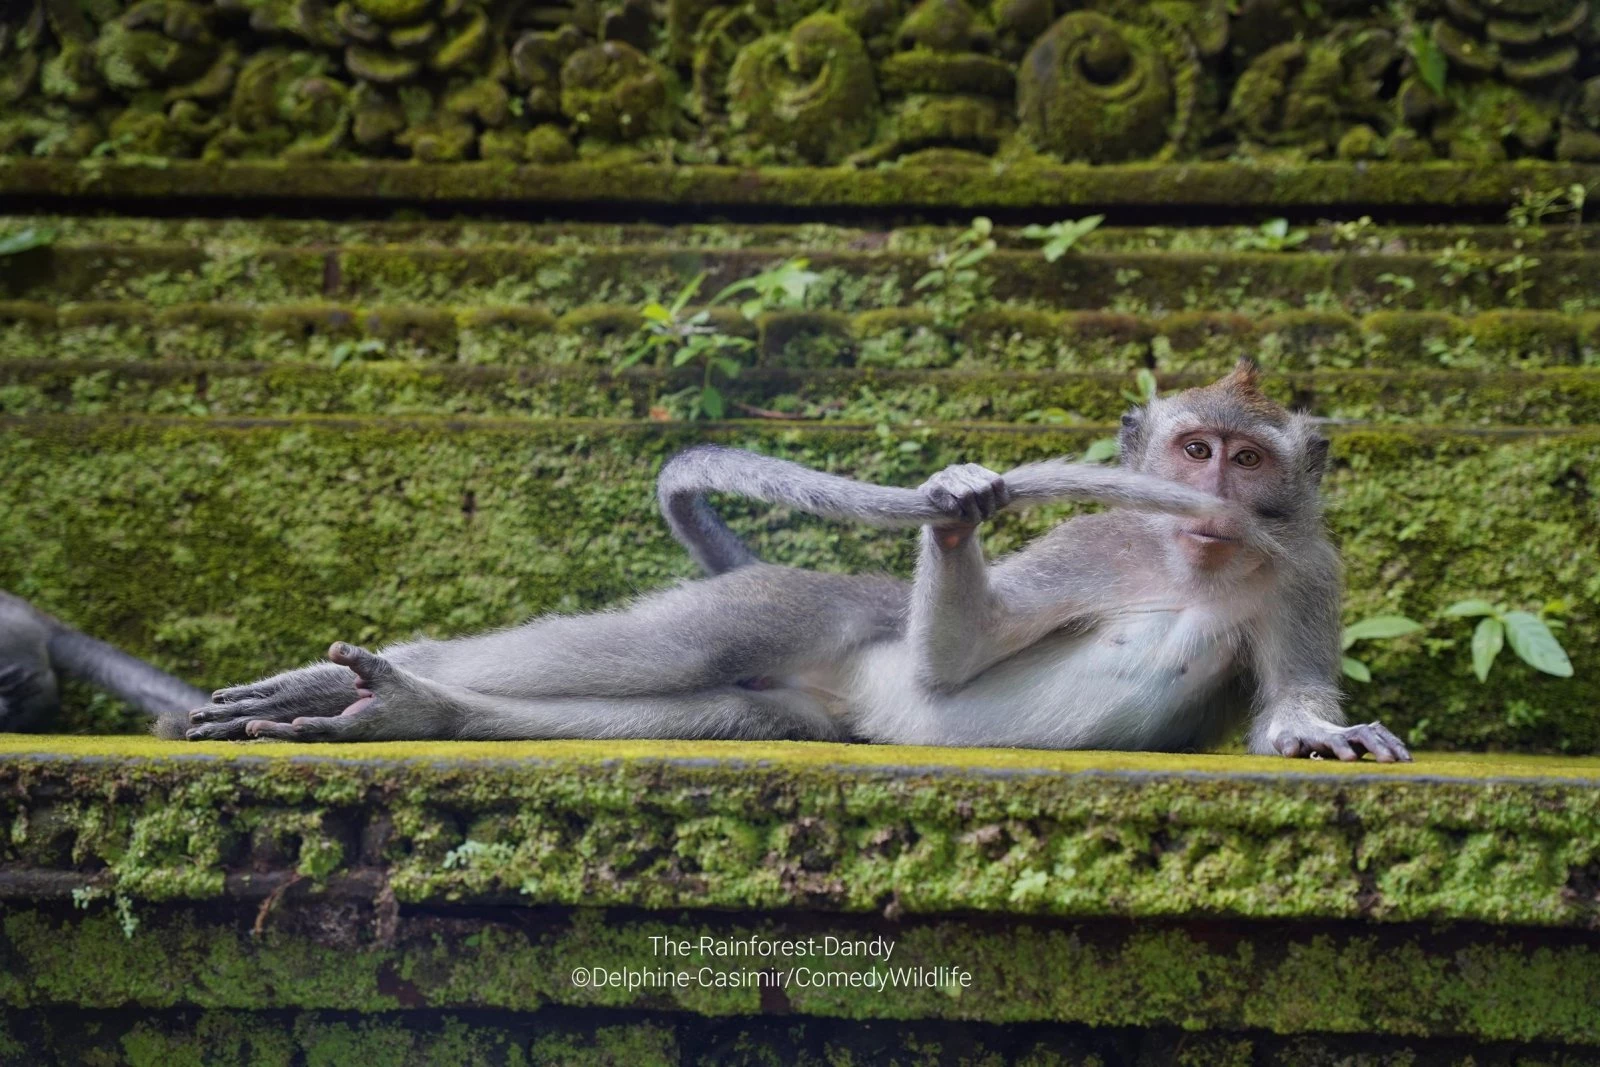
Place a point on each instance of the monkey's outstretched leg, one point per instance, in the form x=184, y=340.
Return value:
x=392, y=704
x=757, y=622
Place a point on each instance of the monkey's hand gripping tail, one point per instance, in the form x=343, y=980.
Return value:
x=1208, y=594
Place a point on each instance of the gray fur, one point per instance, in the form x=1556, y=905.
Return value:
x=1208, y=593
x=36, y=647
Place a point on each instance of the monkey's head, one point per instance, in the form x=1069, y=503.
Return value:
x=1230, y=439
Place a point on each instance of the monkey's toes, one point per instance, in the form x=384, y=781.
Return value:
x=369, y=667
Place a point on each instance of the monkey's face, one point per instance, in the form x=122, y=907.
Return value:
x=1241, y=467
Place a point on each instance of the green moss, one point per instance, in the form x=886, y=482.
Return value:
x=808, y=92
x=1188, y=845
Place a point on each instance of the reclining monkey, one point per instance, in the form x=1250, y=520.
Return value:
x=1208, y=592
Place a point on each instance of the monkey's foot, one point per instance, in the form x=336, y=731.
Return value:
x=1348, y=743
x=321, y=689
x=391, y=704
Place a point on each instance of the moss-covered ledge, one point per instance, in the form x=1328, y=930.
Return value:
x=1454, y=899
x=829, y=828
x=980, y=185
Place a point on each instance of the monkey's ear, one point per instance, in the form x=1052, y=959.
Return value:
x=1130, y=439
x=1316, y=458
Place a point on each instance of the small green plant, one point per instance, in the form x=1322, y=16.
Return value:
x=1534, y=206
x=1375, y=628
x=1354, y=232
x=782, y=287
x=1529, y=635
x=1059, y=237
x=1400, y=285
x=1459, y=263
x=470, y=852
x=1273, y=235
x=85, y=896
x=1457, y=352
x=672, y=336
x=1518, y=265
x=953, y=283
x=345, y=351
x=24, y=239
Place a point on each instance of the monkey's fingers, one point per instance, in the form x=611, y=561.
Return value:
x=1376, y=739
x=232, y=730
x=1342, y=748
x=346, y=727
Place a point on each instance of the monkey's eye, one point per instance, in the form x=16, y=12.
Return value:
x=1247, y=457
x=1197, y=450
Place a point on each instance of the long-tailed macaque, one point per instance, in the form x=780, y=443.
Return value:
x=1207, y=593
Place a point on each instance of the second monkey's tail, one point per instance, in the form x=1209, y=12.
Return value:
x=687, y=477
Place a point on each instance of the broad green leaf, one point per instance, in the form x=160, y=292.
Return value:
x=22, y=240
x=686, y=354
x=1432, y=63
x=982, y=226
x=976, y=255
x=711, y=401
x=686, y=294
x=729, y=367
x=1379, y=627
x=933, y=277
x=1034, y=232
x=1463, y=609
x=1101, y=450
x=1275, y=227
x=1533, y=642
x=1354, y=668
x=1487, y=641
x=656, y=313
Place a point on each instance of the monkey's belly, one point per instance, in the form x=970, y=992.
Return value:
x=1136, y=681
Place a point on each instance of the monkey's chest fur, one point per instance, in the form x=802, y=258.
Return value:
x=1148, y=677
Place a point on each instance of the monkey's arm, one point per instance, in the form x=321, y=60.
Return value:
x=965, y=616
x=688, y=476
x=1295, y=651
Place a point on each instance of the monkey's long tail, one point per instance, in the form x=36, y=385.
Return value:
x=687, y=477
x=77, y=655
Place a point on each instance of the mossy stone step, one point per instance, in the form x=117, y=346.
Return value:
x=1353, y=236
x=224, y=549
x=1266, y=894
x=994, y=337
x=561, y=279
x=1548, y=398
x=576, y=1038
x=980, y=186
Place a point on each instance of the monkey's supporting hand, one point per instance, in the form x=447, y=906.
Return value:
x=1345, y=742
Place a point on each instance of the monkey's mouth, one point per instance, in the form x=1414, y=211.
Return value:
x=1209, y=537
